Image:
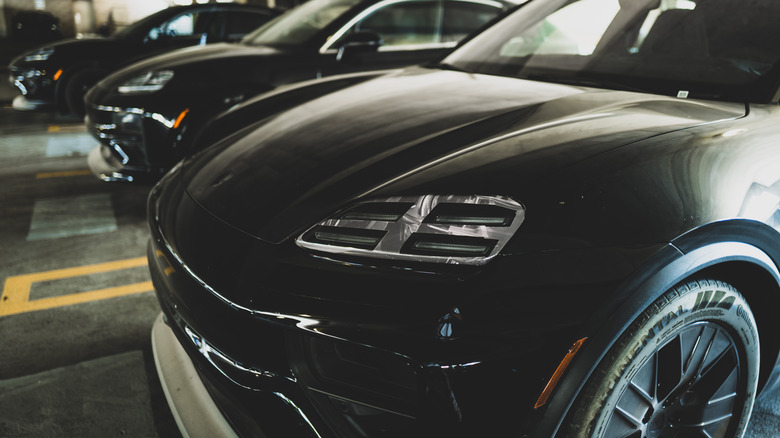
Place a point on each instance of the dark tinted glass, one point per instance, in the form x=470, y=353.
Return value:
x=461, y=18
x=405, y=23
x=241, y=23
x=709, y=49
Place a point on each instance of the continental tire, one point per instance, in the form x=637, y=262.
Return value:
x=686, y=367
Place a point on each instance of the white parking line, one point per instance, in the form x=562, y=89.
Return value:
x=72, y=216
x=69, y=144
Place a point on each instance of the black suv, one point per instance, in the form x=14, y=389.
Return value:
x=60, y=73
x=145, y=113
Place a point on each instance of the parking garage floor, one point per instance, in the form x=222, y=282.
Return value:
x=77, y=306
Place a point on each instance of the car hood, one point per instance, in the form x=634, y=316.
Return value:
x=182, y=58
x=69, y=48
x=419, y=131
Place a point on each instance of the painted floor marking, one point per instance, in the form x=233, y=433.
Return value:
x=69, y=144
x=55, y=218
x=68, y=128
x=16, y=292
x=64, y=173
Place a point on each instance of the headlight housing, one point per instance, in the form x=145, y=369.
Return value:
x=148, y=82
x=453, y=229
x=41, y=54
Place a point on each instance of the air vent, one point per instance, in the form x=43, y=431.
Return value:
x=378, y=211
x=342, y=236
x=471, y=214
x=446, y=245
x=432, y=228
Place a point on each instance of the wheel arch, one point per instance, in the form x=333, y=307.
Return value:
x=743, y=253
x=68, y=74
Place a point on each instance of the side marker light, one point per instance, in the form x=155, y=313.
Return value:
x=180, y=118
x=57, y=74
x=558, y=373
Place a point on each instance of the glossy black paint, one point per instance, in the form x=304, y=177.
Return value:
x=35, y=81
x=626, y=195
x=211, y=79
x=599, y=172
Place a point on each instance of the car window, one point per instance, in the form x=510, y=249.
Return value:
x=187, y=24
x=572, y=30
x=712, y=49
x=239, y=24
x=462, y=18
x=300, y=24
x=405, y=23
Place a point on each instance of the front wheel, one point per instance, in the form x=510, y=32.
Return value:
x=686, y=367
x=77, y=86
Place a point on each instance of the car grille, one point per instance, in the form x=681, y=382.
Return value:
x=123, y=135
x=370, y=392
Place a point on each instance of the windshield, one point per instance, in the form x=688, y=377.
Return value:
x=300, y=24
x=712, y=49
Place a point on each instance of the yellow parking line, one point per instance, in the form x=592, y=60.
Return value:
x=63, y=173
x=78, y=127
x=16, y=292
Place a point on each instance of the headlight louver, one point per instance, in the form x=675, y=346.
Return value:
x=343, y=236
x=147, y=82
x=431, y=228
x=41, y=54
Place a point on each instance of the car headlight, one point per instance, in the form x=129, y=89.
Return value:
x=148, y=82
x=431, y=228
x=41, y=54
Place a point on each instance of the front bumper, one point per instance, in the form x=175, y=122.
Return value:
x=290, y=344
x=35, y=84
x=104, y=164
x=191, y=405
x=21, y=103
x=136, y=145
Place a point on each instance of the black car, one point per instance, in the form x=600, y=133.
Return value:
x=59, y=74
x=145, y=114
x=570, y=227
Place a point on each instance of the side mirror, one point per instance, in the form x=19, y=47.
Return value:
x=362, y=41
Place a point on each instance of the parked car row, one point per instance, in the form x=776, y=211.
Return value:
x=58, y=74
x=568, y=226
x=145, y=114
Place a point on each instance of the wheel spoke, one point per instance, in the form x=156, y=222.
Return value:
x=727, y=397
x=642, y=393
x=702, y=424
x=633, y=420
x=713, y=377
x=694, y=350
x=707, y=406
x=706, y=353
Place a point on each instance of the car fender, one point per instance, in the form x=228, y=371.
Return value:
x=697, y=251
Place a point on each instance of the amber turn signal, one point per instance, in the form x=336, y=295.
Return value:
x=558, y=373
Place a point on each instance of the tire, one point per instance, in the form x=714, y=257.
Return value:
x=77, y=87
x=686, y=367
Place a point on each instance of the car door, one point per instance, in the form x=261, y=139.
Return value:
x=411, y=32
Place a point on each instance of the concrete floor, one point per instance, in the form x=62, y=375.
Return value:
x=76, y=308
x=75, y=352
